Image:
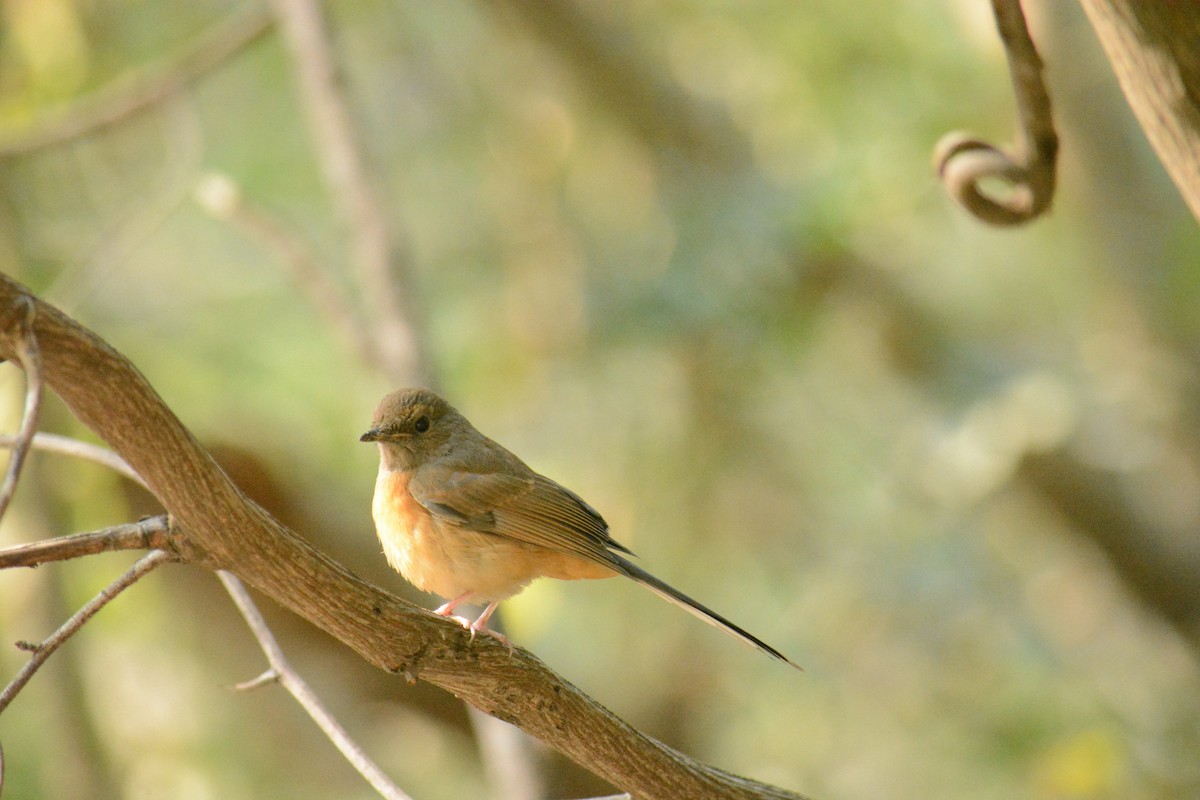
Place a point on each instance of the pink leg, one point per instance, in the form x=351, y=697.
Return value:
x=445, y=609
x=480, y=624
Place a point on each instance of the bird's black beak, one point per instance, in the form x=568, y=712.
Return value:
x=373, y=435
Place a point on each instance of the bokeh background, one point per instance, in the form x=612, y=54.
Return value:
x=690, y=259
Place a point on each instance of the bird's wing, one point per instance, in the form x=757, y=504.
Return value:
x=529, y=508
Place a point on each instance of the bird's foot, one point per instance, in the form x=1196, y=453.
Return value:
x=475, y=628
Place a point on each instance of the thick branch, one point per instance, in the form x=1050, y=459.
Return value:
x=222, y=529
x=1153, y=48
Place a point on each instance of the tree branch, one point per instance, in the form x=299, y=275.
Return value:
x=381, y=266
x=139, y=90
x=149, y=534
x=25, y=347
x=1152, y=47
x=153, y=533
x=222, y=529
x=41, y=652
x=281, y=671
x=65, y=445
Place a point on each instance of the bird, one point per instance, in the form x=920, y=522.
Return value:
x=460, y=516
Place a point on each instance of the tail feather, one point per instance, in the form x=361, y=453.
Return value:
x=680, y=599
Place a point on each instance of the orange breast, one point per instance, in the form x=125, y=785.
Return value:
x=449, y=560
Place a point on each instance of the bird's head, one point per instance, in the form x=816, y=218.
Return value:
x=411, y=426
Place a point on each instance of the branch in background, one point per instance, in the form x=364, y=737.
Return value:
x=389, y=329
x=221, y=197
x=97, y=257
x=963, y=162
x=141, y=89
x=1157, y=563
x=383, y=270
x=280, y=670
x=41, y=652
x=632, y=86
x=220, y=528
x=25, y=347
x=510, y=766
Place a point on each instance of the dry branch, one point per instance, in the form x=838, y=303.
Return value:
x=65, y=445
x=280, y=670
x=149, y=534
x=220, y=528
x=41, y=652
x=25, y=347
x=1154, y=48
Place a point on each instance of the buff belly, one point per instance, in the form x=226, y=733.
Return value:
x=449, y=560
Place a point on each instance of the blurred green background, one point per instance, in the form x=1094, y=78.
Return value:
x=690, y=259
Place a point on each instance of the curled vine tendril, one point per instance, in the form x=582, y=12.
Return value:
x=964, y=162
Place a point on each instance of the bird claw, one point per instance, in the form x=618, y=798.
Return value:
x=479, y=625
x=474, y=628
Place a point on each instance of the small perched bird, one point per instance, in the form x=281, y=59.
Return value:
x=462, y=517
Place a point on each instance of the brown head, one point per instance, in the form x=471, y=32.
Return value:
x=412, y=426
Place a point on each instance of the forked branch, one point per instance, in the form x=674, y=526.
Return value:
x=280, y=670
x=219, y=528
x=41, y=652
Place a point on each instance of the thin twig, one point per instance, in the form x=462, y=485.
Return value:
x=43, y=651
x=148, y=534
x=141, y=89
x=109, y=395
x=374, y=253
x=65, y=445
x=282, y=671
x=963, y=161
x=269, y=676
x=28, y=354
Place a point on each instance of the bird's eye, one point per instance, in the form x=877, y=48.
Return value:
x=421, y=425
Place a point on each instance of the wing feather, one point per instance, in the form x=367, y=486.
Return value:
x=529, y=508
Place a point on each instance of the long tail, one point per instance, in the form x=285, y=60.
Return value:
x=703, y=612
